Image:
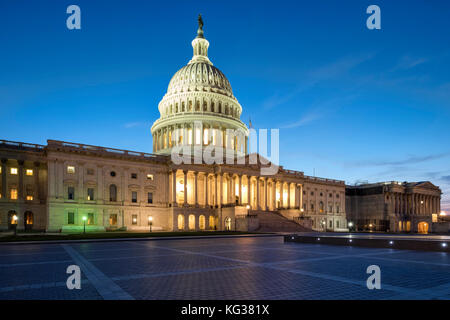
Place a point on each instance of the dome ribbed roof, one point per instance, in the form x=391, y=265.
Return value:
x=200, y=76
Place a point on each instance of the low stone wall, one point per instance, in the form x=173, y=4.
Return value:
x=247, y=223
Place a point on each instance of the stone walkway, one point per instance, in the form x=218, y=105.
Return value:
x=221, y=268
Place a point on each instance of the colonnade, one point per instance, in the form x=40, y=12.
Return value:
x=190, y=134
x=222, y=189
x=415, y=203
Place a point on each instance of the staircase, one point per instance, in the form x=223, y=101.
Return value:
x=271, y=221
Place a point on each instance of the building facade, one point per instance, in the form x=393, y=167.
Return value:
x=64, y=186
x=393, y=206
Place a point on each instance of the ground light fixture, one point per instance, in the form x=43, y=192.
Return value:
x=444, y=245
x=150, y=222
x=391, y=242
x=84, y=224
x=15, y=218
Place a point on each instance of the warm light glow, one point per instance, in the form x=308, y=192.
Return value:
x=13, y=170
x=15, y=218
x=14, y=194
x=442, y=213
x=70, y=169
x=277, y=196
x=29, y=198
x=84, y=218
x=150, y=218
x=149, y=176
x=370, y=225
x=248, y=207
x=350, y=224
x=421, y=202
x=29, y=172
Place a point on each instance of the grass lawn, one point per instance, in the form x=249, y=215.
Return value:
x=113, y=235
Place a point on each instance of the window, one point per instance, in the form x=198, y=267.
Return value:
x=113, y=219
x=90, y=193
x=331, y=224
x=70, y=218
x=90, y=219
x=312, y=206
x=14, y=194
x=71, y=193
x=321, y=194
x=70, y=169
x=331, y=195
x=304, y=193
x=337, y=196
x=134, y=219
x=29, y=172
x=337, y=224
x=90, y=172
x=312, y=193
x=134, y=176
x=112, y=192
x=150, y=197
x=13, y=171
x=149, y=176
x=112, y=173
x=337, y=209
x=29, y=198
x=134, y=196
x=321, y=207
x=330, y=209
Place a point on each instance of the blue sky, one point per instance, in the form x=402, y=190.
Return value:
x=351, y=103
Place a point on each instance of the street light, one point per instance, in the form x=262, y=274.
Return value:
x=15, y=218
x=150, y=222
x=350, y=226
x=84, y=224
x=248, y=209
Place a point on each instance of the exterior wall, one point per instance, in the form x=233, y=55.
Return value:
x=393, y=206
x=324, y=204
x=31, y=188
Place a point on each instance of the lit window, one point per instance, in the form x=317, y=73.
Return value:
x=29, y=172
x=434, y=217
x=13, y=194
x=90, y=219
x=71, y=169
x=71, y=193
x=90, y=194
x=29, y=198
x=13, y=170
x=150, y=197
x=134, y=219
x=149, y=176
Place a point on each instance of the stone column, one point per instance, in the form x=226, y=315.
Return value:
x=196, y=188
x=215, y=190
x=258, y=197
x=274, y=194
x=36, y=181
x=206, y=189
x=266, y=182
x=249, y=191
x=282, y=194
x=289, y=195
x=301, y=197
x=4, y=175
x=240, y=189
x=21, y=195
x=185, y=188
x=174, y=188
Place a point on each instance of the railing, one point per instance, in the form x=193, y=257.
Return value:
x=103, y=150
x=294, y=172
x=21, y=145
x=325, y=180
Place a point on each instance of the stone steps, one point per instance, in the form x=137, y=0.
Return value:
x=271, y=221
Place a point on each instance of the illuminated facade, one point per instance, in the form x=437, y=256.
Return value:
x=53, y=187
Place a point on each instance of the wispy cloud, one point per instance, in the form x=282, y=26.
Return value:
x=302, y=121
x=129, y=125
x=407, y=161
x=407, y=62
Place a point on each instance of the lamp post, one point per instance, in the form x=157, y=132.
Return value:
x=84, y=224
x=248, y=210
x=15, y=218
x=150, y=222
x=350, y=226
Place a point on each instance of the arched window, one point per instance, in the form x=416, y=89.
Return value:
x=202, y=222
x=112, y=193
x=211, y=223
x=321, y=207
x=180, y=222
x=191, y=222
x=227, y=223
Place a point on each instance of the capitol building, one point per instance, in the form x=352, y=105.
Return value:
x=64, y=186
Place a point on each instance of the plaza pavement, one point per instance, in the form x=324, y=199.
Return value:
x=219, y=268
